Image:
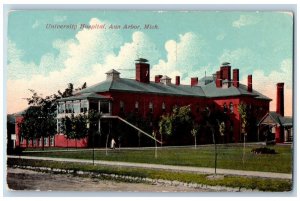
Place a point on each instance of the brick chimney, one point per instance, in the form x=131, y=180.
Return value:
x=225, y=72
x=280, y=99
x=236, y=78
x=142, y=71
x=194, y=81
x=177, y=80
x=249, y=83
x=157, y=78
x=218, y=80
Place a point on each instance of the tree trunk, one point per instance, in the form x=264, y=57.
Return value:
x=43, y=145
x=195, y=142
x=106, y=143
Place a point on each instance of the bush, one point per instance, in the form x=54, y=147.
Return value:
x=263, y=150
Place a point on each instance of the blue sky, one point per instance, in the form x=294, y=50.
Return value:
x=186, y=44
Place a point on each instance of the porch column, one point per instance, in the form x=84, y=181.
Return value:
x=109, y=107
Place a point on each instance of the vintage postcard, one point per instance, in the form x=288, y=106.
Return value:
x=150, y=101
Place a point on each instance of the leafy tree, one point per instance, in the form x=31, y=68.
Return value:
x=68, y=91
x=194, y=133
x=79, y=126
x=222, y=128
x=176, y=124
x=39, y=119
x=75, y=127
x=242, y=109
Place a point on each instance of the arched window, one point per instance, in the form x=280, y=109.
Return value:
x=231, y=107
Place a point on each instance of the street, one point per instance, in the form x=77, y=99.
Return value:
x=20, y=179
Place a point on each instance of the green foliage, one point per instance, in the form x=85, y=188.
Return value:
x=263, y=184
x=39, y=118
x=75, y=127
x=222, y=128
x=177, y=124
x=229, y=157
x=242, y=109
x=78, y=127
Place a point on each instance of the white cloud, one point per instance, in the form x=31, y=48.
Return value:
x=245, y=20
x=140, y=46
x=266, y=84
x=183, y=56
x=17, y=68
x=83, y=59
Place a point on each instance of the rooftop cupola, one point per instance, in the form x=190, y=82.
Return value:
x=165, y=80
x=112, y=75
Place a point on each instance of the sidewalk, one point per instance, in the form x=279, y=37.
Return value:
x=168, y=167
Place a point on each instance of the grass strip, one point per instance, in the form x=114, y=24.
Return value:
x=229, y=157
x=261, y=184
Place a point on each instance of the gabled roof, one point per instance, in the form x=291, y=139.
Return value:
x=278, y=119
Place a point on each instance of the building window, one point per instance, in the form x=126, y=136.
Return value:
x=83, y=106
x=163, y=107
x=136, y=106
x=59, y=125
x=21, y=140
x=45, y=141
x=225, y=108
x=52, y=141
x=150, y=107
x=122, y=106
x=231, y=107
x=40, y=142
x=61, y=107
x=76, y=106
x=104, y=107
x=69, y=107
x=197, y=108
x=34, y=142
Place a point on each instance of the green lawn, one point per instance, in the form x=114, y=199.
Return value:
x=262, y=184
x=229, y=157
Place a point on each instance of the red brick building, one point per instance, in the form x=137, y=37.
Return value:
x=117, y=96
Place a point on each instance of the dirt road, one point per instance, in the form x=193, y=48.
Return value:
x=19, y=179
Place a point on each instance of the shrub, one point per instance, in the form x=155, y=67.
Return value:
x=263, y=150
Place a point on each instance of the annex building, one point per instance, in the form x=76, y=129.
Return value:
x=118, y=98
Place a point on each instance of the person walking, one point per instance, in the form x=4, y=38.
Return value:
x=113, y=143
